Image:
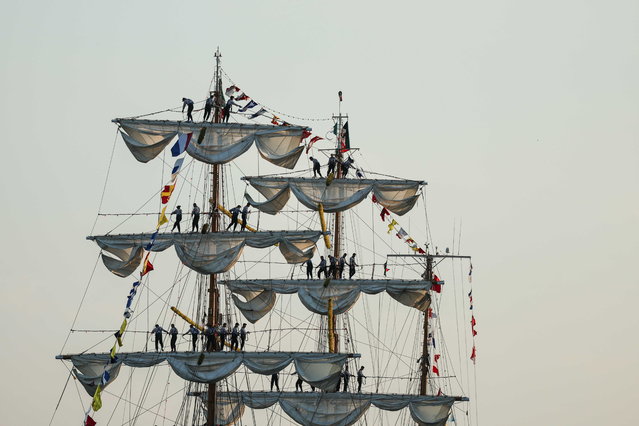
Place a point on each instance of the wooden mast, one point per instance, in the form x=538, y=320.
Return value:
x=214, y=295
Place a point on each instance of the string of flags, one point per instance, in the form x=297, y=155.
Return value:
x=177, y=149
x=400, y=232
x=473, y=322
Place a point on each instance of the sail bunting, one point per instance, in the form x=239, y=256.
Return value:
x=204, y=253
x=398, y=196
x=338, y=408
x=321, y=370
x=214, y=143
x=314, y=295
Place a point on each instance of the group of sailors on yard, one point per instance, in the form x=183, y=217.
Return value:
x=335, y=267
x=235, y=213
x=208, y=107
x=213, y=338
x=345, y=377
x=332, y=163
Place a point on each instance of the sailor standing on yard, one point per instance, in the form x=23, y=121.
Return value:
x=186, y=102
x=342, y=266
x=332, y=266
x=360, y=378
x=235, y=212
x=235, y=334
x=347, y=376
x=351, y=267
x=223, y=332
x=309, y=269
x=275, y=380
x=332, y=161
x=243, y=335
x=245, y=212
x=316, y=167
x=228, y=107
x=321, y=268
x=157, y=331
x=178, y=218
x=346, y=165
x=196, y=218
x=174, y=333
x=193, y=332
x=208, y=106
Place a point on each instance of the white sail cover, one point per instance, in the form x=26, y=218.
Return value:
x=214, y=143
x=205, y=253
x=398, y=196
x=342, y=409
x=314, y=294
x=321, y=370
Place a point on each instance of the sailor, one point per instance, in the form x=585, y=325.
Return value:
x=316, y=167
x=346, y=165
x=208, y=105
x=351, y=267
x=332, y=266
x=235, y=213
x=193, y=332
x=309, y=269
x=157, y=331
x=243, y=335
x=178, y=218
x=298, y=383
x=174, y=333
x=342, y=265
x=209, y=332
x=196, y=218
x=347, y=376
x=275, y=379
x=186, y=102
x=332, y=161
x=223, y=332
x=321, y=268
x=359, y=173
x=245, y=212
x=360, y=378
x=228, y=107
x=235, y=334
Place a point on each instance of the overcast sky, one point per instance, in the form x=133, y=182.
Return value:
x=522, y=116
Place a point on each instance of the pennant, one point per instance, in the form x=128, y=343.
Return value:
x=166, y=193
x=181, y=144
x=97, y=400
x=274, y=120
x=153, y=237
x=345, y=139
x=148, y=266
x=231, y=90
x=437, y=288
x=392, y=226
x=436, y=358
x=161, y=221
x=105, y=378
x=335, y=129
x=305, y=134
x=421, y=251
x=177, y=166
x=248, y=106
x=374, y=198
x=384, y=213
x=89, y=421
x=312, y=141
x=473, y=323
x=262, y=111
x=242, y=97
x=473, y=354
x=435, y=370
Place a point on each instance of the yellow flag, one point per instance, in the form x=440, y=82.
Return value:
x=113, y=351
x=163, y=218
x=392, y=226
x=97, y=400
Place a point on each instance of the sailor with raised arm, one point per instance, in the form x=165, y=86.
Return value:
x=174, y=333
x=157, y=332
x=186, y=102
x=228, y=107
x=316, y=167
x=360, y=378
x=193, y=331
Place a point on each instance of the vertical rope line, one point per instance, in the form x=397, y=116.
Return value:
x=106, y=180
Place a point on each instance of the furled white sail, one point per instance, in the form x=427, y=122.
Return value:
x=205, y=253
x=340, y=408
x=321, y=370
x=314, y=294
x=214, y=143
x=398, y=196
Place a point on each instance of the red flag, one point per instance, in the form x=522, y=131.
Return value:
x=384, y=212
x=473, y=323
x=473, y=355
x=430, y=312
x=375, y=199
x=232, y=90
x=89, y=421
x=437, y=288
x=435, y=370
x=166, y=193
x=312, y=141
x=242, y=97
x=472, y=320
x=274, y=121
x=436, y=278
x=421, y=251
x=436, y=358
x=305, y=134
x=148, y=266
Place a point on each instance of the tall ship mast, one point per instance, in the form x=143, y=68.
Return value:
x=237, y=338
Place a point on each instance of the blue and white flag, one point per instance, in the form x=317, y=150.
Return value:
x=257, y=114
x=248, y=106
x=153, y=237
x=181, y=144
x=177, y=166
x=105, y=378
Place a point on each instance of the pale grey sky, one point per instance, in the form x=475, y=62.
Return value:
x=522, y=116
